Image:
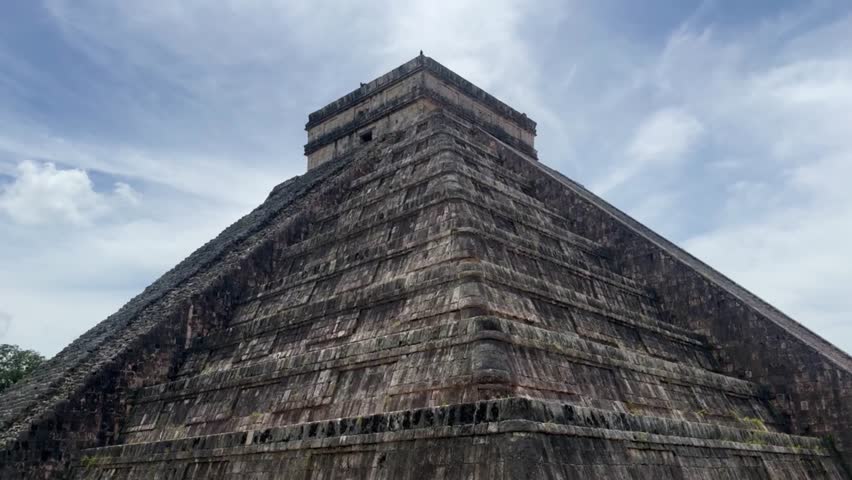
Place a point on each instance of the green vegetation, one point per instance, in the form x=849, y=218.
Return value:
x=16, y=363
x=753, y=422
x=756, y=423
x=755, y=438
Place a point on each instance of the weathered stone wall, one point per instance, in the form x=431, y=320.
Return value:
x=303, y=352
x=418, y=64
x=498, y=439
x=808, y=380
x=394, y=100
x=366, y=277
x=391, y=115
x=369, y=106
x=482, y=112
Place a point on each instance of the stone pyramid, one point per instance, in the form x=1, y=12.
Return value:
x=430, y=301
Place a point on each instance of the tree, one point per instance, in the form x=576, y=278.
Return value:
x=15, y=363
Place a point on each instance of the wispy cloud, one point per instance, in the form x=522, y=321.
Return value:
x=662, y=139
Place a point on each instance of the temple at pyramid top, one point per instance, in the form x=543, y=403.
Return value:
x=394, y=100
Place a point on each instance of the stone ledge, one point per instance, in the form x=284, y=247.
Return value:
x=508, y=415
x=236, y=332
x=443, y=140
x=404, y=71
x=429, y=277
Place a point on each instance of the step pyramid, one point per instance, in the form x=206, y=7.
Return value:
x=430, y=301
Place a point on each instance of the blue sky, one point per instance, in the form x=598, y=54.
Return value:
x=133, y=132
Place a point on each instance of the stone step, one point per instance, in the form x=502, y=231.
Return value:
x=517, y=414
x=641, y=381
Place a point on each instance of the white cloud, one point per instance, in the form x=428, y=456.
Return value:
x=63, y=279
x=809, y=100
x=217, y=178
x=43, y=194
x=126, y=193
x=490, y=50
x=665, y=136
x=662, y=139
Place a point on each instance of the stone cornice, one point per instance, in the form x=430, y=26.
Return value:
x=418, y=64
